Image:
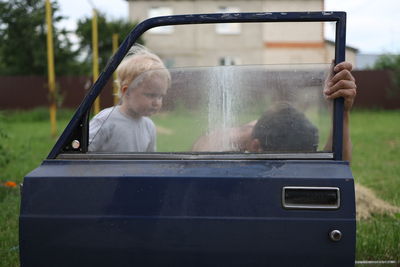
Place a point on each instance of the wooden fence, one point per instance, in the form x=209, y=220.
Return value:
x=375, y=90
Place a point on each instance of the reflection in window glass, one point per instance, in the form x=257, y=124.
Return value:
x=262, y=108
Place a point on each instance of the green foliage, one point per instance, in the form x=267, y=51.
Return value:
x=390, y=62
x=23, y=40
x=106, y=29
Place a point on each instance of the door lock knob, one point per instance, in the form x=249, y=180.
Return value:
x=335, y=235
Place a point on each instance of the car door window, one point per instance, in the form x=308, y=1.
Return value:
x=219, y=109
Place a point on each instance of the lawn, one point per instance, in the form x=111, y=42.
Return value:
x=26, y=142
x=376, y=164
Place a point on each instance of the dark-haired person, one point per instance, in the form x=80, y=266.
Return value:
x=283, y=128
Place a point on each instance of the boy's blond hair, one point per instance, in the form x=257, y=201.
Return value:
x=137, y=61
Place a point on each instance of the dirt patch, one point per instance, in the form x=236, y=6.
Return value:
x=368, y=203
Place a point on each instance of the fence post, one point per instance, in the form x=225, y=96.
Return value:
x=95, y=53
x=50, y=70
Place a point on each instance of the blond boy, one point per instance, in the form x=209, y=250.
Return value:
x=143, y=81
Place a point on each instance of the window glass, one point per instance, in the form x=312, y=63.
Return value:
x=229, y=60
x=257, y=43
x=234, y=109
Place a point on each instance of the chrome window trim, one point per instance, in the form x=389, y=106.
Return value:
x=194, y=156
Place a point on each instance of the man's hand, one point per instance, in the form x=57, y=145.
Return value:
x=342, y=84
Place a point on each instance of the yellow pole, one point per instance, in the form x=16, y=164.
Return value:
x=114, y=49
x=50, y=70
x=95, y=48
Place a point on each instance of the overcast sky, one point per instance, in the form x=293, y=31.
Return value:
x=372, y=26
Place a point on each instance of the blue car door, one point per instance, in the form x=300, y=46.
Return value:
x=205, y=197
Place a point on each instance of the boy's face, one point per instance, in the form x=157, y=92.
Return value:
x=146, y=98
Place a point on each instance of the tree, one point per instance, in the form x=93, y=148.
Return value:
x=23, y=40
x=105, y=31
x=390, y=62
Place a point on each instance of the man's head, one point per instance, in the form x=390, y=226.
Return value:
x=284, y=129
x=143, y=81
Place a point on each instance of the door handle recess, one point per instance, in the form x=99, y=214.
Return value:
x=306, y=197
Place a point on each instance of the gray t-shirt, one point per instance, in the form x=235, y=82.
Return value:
x=113, y=131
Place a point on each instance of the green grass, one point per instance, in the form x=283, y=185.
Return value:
x=28, y=142
x=376, y=152
x=376, y=164
x=186, y=128
x=379, y=238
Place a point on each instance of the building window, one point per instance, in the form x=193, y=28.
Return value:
x=160, y=11
x=229, y=60
x=228, y=28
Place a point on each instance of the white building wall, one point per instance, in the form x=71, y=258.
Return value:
x=351, y=54
x=304, y=32
x=202, y=45
x=294, y=42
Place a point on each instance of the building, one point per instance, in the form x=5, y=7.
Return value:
x=226, y=44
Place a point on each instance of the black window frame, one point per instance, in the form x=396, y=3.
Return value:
x=77, y=130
